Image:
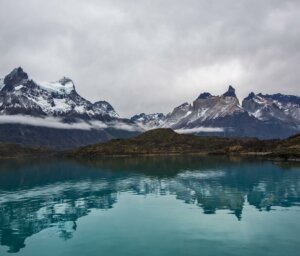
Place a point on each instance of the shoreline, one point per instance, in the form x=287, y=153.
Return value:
x=254, y=155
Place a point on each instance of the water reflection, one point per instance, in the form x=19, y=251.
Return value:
x=36, y=196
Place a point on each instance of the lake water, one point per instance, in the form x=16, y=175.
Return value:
x=149, y=206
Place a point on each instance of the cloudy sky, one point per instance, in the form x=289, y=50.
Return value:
x=152, y=55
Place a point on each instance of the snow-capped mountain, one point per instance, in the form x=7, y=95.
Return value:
x=207, y=108
x=21, y=95
x=54, y=115
x=149, y=121
x=223, y=115
x=273, y=108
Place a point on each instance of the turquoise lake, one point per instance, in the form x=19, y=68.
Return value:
x=186, y=205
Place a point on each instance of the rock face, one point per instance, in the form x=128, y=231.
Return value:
x=261, y=116
x=177, y=114
x=15, y=77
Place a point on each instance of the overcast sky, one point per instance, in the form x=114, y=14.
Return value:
x=152, y=55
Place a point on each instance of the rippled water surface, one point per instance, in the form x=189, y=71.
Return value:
x=149, y=206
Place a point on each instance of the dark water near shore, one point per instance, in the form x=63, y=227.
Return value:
x=149, y=206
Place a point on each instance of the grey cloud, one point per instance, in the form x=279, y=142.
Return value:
x=149, y=56
x=49, y=122
x=57, y=123
x=200, y=129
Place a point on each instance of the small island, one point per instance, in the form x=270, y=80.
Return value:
x=166, y=141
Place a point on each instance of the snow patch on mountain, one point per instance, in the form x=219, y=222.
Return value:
x=19, y=87
x=1, y=83
x=63, y=86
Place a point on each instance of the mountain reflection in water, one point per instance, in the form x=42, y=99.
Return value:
x=38, y=195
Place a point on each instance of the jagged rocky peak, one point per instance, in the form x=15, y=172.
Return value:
x=158, y=115
x=204, y=95
x=185, y=105
x=180, y=111
x=65, y=80
x=15, y=77
x=271, y=98
x=177, y=114
x=138, y=116
x=230, y=92
x=103, y=103
x=275, y=107
x=149, y=121
x=148, y=117
x=251, y=103
x=282, y=98
x=105, y=107
x=250, y=96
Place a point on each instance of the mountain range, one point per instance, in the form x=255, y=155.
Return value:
x=260, y=116
x=53, y=114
